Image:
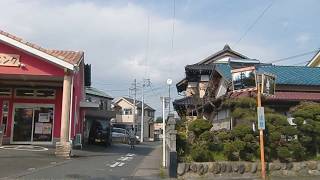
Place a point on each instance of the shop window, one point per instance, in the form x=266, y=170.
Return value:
x=35, y=93
x=45, y=93
x=5, y=115
x=5, y=92
x=24, y=92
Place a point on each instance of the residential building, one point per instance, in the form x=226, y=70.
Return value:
x=293, y=85
x=98, y=111
x=195, y=85
x=124, y=108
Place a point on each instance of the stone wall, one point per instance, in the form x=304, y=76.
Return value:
x=247, y=169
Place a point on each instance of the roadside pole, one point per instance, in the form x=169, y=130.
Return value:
x=263, y=168
x=142, y=113
x=163, y=133
x=134, y=106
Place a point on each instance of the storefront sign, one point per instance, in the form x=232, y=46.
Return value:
x=38, y=128
x=44, y=117
x=9, y=60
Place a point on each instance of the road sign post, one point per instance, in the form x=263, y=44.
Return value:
x=247, y=79
x=261, y=126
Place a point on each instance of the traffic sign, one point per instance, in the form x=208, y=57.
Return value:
x=261, y=119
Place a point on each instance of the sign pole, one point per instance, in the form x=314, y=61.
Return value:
x=263, y=168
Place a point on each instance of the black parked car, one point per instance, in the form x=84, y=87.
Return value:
x=100, y=132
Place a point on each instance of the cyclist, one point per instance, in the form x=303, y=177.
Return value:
x=132, y=138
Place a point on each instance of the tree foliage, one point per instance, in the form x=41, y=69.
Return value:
x=283, y=141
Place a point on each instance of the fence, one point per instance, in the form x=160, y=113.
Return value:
x=171, y=152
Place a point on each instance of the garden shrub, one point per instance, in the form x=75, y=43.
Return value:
x=199, y=126
x=201, y=153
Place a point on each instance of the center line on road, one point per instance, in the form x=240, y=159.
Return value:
x=115, y=164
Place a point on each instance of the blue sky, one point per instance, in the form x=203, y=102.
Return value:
x=113, y=34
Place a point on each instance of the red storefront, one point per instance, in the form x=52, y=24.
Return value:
x=40, y=92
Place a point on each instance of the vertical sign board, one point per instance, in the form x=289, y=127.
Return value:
x=261, y=119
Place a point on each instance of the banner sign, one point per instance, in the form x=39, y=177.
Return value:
x=244, y=79
x=261, y=119
x=9, y=60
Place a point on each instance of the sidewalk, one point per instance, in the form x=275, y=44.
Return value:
x=149, y=168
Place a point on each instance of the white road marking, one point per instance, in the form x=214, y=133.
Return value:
x=130, y=155
x=121, y=164
x=115, y=164
x=126, y=158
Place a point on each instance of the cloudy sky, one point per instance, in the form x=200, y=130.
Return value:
x=128, y=39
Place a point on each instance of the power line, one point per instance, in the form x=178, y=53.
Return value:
x=294, y=56
x=300, y=63
x=254, y=23
x=173, y=32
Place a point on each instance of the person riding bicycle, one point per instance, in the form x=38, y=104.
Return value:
x=132, y=138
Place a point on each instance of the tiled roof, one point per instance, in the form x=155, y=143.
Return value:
x=285, y=75
x=96, y=92
x=184, y=101
x=279, y=96
x=293, y=75
x=72, y=57
x=296, y=96
x=226, y=49
x=224, y=70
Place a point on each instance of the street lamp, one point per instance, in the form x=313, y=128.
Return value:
x=164, y=100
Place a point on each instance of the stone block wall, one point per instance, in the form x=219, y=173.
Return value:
x=247, y=169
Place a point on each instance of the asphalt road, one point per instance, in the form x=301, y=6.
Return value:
x=117, y=162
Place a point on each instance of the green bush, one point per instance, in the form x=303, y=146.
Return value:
x=283, y=154
x=201, y=153
x=199, y=126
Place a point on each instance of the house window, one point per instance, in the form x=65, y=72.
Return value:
x=204, y=77
x=5, y=92
x=5, y=115
x=127, y=111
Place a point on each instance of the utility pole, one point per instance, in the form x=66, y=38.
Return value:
x=134, y=105
x=142, y=113
x=145, y=82
x=169, y=82
x=163, y=132
x=263, y=168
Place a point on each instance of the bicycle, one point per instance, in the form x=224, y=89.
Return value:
x=131, y=143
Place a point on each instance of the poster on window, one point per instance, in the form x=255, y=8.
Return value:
x=46, y=128
x=268, y=84
x=44, y=117
x=38, y=128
